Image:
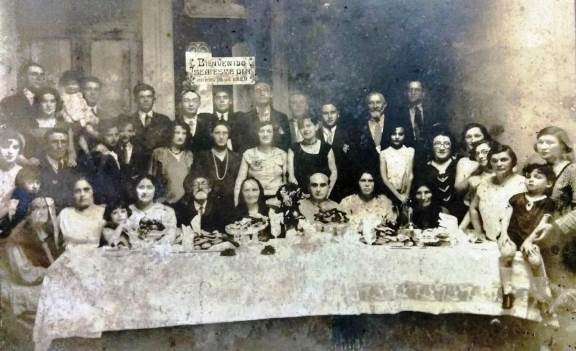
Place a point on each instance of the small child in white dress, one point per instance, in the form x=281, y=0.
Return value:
x=396, y=162
x=75, y=109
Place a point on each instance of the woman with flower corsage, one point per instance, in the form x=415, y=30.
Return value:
x=150, y=220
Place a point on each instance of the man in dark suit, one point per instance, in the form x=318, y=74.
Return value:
x=197, y=207
x=264, y=111
x=91, y=90
x=298, y=104
x=199, y=124
x=419, y=118
x=152, y=129
x=223, y=113
x=17, y=111
x=334, y=133
x=56, y=173
x=370, y=134
x=131, y=156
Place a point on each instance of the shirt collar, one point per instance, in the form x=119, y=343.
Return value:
x=29, y=95
x=54, y=163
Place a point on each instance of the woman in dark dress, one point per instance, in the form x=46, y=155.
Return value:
x=220, y=165
x=426, y=206
x=310, y=156
x=440, y=174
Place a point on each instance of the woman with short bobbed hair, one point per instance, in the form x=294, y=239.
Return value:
x=555, y=147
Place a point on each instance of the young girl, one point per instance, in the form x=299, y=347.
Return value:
x=396, y=163
x=524, y=213
x=27, y=189
x=173, y=163
x=115, y=233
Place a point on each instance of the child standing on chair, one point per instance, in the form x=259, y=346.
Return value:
x=524, y=213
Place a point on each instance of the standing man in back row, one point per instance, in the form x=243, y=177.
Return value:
x=223, y=113
x=264, y=111
x=151, y=129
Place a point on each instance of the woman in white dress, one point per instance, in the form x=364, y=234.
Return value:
x=467, y=164
x=493, y=193
x=81, y=225
x=265, y=162
x=368, y=203
x=150, y=220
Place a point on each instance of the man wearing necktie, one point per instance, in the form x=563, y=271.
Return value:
x=199, y=124
x=223, y=113
x=419, y=118
x=336, y=134
x=17, y=111
x=263, y=111
x=298, y=104
x=151, y=129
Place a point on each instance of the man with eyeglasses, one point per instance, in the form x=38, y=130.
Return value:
x=17, y=111
x=197, y=207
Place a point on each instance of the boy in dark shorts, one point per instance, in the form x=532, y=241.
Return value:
x=524, y=213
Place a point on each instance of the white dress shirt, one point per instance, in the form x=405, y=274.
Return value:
x=222, y=116
x=329, y=134
x=192, y=122
x=143, y=116
x=29, y=95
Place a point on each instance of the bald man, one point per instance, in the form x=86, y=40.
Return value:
x=319, y=188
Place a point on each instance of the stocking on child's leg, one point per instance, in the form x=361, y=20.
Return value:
x=507, y=253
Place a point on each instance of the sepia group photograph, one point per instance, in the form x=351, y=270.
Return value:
x=262, y=175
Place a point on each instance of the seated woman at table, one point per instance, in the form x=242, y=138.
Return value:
x=30, y=250
x=265, y=162
x=426, y=207
x=82, y=224
x=368, y=201
x=252, y=203
x=150, y=219
x=493, y=193
x=310, y=156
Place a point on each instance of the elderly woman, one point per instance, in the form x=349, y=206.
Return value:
x=440, y=173
x=368, y=201
x=82, y=224
x=492, y=195
x=426, y=206
x=310, y=156
x=252, y=202
x=467, y=165
x=554, y=146
x=265, y=162
x=11, y=145
x=30, y=250
x=150, y=219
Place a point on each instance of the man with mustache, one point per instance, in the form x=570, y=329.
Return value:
x=197, y=207
x=370, y=134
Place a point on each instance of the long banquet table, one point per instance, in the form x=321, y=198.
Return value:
x=86, y=293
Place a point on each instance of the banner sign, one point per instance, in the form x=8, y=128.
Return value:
x=221, y=70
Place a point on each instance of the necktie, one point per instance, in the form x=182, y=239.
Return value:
x=377, y=134
x=330, y=138
x=60, y=165
x=418, y=122
x=147, y=120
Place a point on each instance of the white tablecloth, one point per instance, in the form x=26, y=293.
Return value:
x=87, y=293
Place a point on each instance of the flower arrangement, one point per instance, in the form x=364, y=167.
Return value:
x=290, y=196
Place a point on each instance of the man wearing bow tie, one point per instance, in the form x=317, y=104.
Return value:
x=151, y=129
